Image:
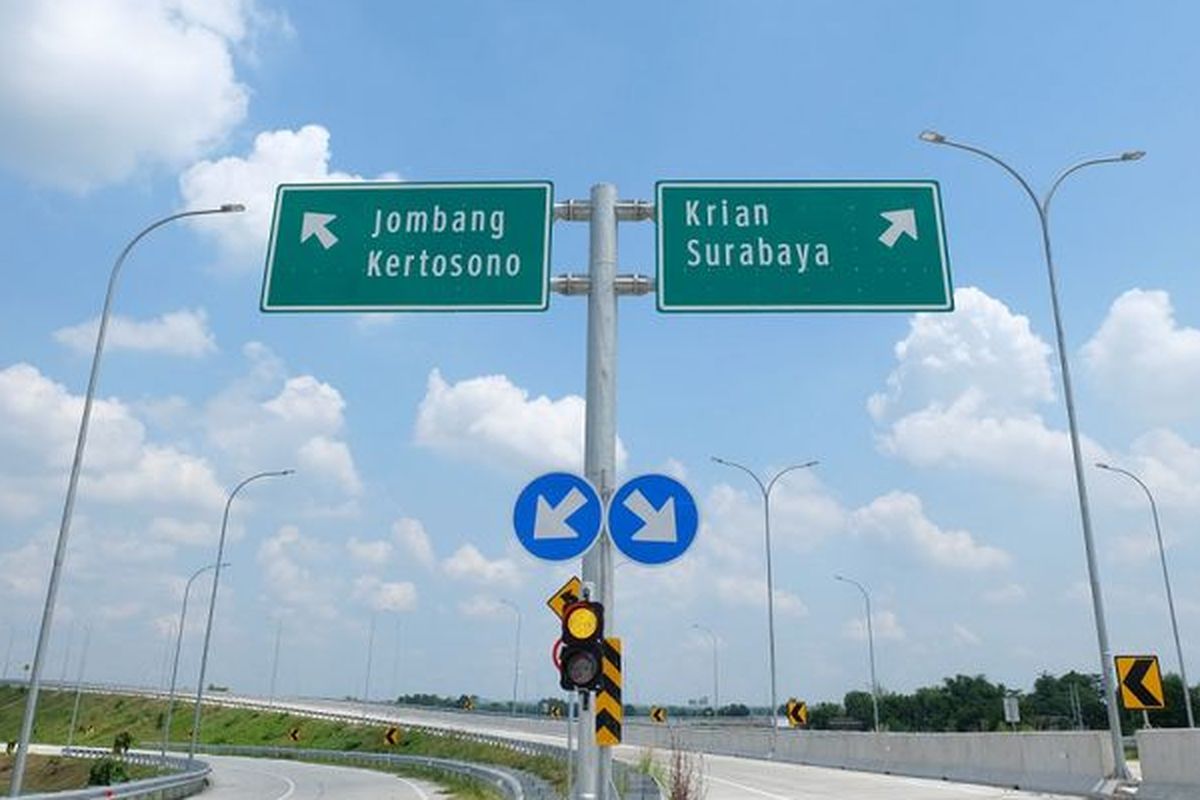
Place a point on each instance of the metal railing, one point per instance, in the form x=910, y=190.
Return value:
x=191, y=778
x=511, y=783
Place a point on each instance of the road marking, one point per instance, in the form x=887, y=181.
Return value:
x=420, y=792
x=291, y=786
x=743, y=787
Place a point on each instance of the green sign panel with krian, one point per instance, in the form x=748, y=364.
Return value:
x=801, y=246
x=410, y=247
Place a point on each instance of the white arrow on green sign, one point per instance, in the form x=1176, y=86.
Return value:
x=801, y=246
x=410, y=247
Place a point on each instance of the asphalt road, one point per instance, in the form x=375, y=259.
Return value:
x=266, y=779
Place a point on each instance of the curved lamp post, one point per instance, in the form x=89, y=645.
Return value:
x=766, y=495
x=1162, y=557
x=516, y=654
x=60, y=549
x=870, y=646
x=178, y=644
x=212, y=602
x=1043, y=210
x=716, y=693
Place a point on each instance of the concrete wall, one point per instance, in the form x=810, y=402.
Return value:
x=1073, y=763
x=1170, y=762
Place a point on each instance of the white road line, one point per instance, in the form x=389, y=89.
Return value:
x=745, y=788
x=291, y=786
x=420, y=792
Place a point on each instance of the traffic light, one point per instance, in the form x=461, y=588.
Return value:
x=582, y=646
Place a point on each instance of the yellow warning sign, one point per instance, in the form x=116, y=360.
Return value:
x=569, y=593
x=609, y=710
x=1141, y=683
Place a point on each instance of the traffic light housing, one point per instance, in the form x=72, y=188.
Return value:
x=582, y=656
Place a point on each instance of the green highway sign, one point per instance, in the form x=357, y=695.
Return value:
x=801, y=246
x=410, y=247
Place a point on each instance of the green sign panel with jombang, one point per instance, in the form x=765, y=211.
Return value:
x=410, y=247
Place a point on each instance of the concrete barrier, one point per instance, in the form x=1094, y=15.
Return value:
x=1068, y=762
x=1170, y=760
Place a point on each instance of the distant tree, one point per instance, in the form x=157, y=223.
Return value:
x=734, y=710
x=820, y=714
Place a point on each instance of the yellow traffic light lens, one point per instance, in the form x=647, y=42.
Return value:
x=582, y=622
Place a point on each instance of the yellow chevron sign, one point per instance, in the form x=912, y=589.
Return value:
x=392, y=735
x=294, y=734
x=797, y=712
x=568, y=593
x=609, y=709
x=658, y=714
x=1141, y=683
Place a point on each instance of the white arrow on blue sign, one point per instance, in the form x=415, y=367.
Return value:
x=653, y=519
x=558, y=516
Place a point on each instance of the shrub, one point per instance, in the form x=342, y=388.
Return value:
x=106, y=772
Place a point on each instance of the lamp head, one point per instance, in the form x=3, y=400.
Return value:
x=287, y=472
x=1133, y=155
x=933, y=137
x=232, y=208
x=1102, y=465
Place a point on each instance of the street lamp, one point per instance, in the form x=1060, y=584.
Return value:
x=178, y=644
x=870, y=646
x=212, y=601
x=1043, y=211
x=716, y=694
x=64, y=529
x=516, y=654
x=1162, y=557
x=766, y=495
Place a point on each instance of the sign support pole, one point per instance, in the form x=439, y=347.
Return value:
x=600, y=448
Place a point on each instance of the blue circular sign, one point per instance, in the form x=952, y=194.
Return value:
x=558, y=516
x=653, y=519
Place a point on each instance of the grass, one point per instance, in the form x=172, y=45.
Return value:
x=57, y=774
x=102, y=717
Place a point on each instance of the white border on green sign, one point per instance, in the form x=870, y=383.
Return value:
x=948, y=305
x=543, y=305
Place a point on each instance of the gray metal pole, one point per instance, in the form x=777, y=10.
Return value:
x=600, y=449
x=370, y=653
x=1162, y=556
x=212, y=603
x=716, y=689
x=12, y=635
x=64, y=529
x=275, y=662
x=87, y=637
x=1043, y=210
x=396, y=664
x=870, y=646
x=516, y=655
x=766, y=495
x=175, y=663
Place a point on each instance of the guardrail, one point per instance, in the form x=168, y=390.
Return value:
x=191, y=779
x=513, y=784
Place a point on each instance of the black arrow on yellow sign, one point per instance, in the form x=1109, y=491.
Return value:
x=797, y=712
x=609, y=710
x=392, y=736
x=658, y=714
x=294, y=734
x=1141, y=683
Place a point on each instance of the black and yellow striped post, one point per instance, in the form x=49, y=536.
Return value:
x=609, y=709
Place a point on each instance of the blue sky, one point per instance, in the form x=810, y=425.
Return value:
x=944, y=481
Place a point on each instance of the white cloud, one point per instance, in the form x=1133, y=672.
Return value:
x=753, y=592
x=268, y=417
x=981, y=348
x=467, y=563
x=384, y=596
x=1143, y=356
x=901, y=513
x=1006, y=595
x=39, y=421
x=103, y=87
x=281, y=156
x=482, y=607
x=965, y=394
x=410, y=534
x=492, y=420
x=176, y=333
x=884, y=625
x=964, y=635
x=293, y=585
x=372, y=553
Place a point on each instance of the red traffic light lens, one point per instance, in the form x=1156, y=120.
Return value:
x=581, y=668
